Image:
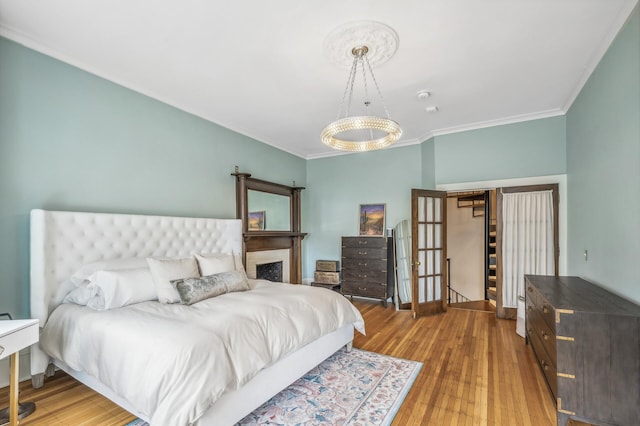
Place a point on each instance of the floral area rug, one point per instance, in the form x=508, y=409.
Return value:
x=348, y=388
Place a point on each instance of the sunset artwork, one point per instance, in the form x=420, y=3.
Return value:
x=256, y=221
x=371, y=220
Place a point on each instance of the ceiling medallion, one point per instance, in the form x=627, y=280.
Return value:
x=365, y=132
x=381, y=40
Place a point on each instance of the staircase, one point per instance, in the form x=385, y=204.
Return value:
x=474, y=200
x=483, y=203
x=491, y=260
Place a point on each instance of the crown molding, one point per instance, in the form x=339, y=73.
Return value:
x=499, y=122
x=337, y=153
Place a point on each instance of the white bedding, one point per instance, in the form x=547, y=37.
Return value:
x=172, y=362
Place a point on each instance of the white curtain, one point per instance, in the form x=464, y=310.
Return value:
x=527, y=241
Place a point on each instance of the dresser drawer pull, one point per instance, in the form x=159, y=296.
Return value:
x=362, y=264
x=362, y=253
x=545, y=366
x=362, y=288
x=529, y=288
x=545, y=336
x=363, y=242
x=1, y=349
x=530, y=307
x=363, y=276
x=545, y=309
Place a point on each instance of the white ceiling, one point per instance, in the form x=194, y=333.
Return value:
x=258, y=67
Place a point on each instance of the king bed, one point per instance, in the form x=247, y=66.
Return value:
x=208, y=360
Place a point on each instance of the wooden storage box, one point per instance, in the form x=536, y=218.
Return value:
x=327, y=265
x=327, y=277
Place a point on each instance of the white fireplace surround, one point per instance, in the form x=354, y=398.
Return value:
x=267, y=256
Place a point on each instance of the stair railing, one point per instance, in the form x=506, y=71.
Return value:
x=452, y=295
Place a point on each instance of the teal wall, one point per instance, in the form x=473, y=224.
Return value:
x=336, y=186
x=72, y=141
x=603, y=169
x=428, y=164
x=530, y=148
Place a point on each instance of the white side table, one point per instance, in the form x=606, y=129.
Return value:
x=16, y=335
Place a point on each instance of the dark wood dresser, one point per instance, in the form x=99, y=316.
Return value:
x=587, y=343
x=367, y=267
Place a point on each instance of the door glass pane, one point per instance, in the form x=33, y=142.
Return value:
x=422, y=262
x=429, y=289
x=437, y=261
x=429, y=209
x=429, y=243
x=438, y=288
x=437, y=236
x=430, y=262
x=421, y=214
x=438, y=208
x=421, y=237
x=421, y=290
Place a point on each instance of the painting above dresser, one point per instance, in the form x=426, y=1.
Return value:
x=587, y=343
x=367, y=267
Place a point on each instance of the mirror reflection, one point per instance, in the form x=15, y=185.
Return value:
x=402, y=233
x=268, y=212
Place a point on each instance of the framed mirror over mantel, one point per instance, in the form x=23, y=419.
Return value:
x=270, y=214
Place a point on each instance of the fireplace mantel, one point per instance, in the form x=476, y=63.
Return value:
x=261, y=240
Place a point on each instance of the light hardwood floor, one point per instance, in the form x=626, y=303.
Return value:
x=476, y=371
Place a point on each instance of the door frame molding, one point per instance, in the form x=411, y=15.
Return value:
x=561, y=180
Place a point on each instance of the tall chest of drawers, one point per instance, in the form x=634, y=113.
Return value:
x=587, y=343
x=367, y=267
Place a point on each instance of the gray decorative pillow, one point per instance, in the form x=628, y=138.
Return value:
x=192, y=290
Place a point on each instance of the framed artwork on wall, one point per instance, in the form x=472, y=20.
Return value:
x=371, y=220
x=257, y=221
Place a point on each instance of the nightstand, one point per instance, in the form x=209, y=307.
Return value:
x=16, y=335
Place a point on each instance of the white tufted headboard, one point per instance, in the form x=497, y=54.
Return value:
x=61, y=242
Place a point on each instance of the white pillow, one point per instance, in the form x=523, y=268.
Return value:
x=106, y=289
x=211, y=264
x=116, y=289
x=81, y=294
x=83, y=274
x=164, y=270
x=238, y=261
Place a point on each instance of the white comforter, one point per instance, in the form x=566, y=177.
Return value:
x=171, y=362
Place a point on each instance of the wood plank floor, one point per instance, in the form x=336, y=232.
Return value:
x=476, y=371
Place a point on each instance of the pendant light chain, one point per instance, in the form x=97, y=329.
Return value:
x=373, y=76
x=390, y=129
x=348, y=88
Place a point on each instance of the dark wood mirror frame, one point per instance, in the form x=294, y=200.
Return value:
x=270, y=240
